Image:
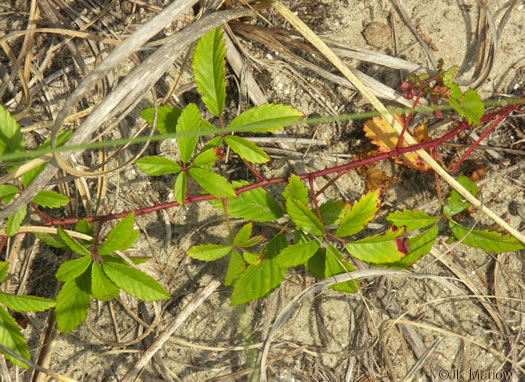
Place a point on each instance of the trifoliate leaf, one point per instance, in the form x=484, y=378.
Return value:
x=208, y=157
x=303, y=217
x=73, y=302
x=71, y=269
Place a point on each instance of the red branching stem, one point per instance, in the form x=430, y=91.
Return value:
x=254, y=171
x=500, y=118
x=3, y=243
x=332, y=181
x=314, y=198
x=49, y=220
x=267, y=182
x=407, y=120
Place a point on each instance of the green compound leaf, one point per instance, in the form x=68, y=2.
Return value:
x=236, y=267
x=247, y=150
x=356, y=217
x=11, y=139
x=7, y=193
x=167, y=117
x=456, y=203
x=331, y=211
x=102, y=287
x=121, y=237
x=470, y=106
x=303, y=217
x=212, y=183
x=266, y=118
x=208, y=70
x=296, y=254
x=209, y=252
x=486, y=240
x=158, y=166
x=258, y=281
x=179, y=188
x=295, y=189
x=11, y=337
x=257, y=205
x=335, y=265
x=73, y=245
x=73, y=303
x=33, y=173
x=208, y=157
x=15, y=221
x=450, y=75
x=411, y=219
x=190, y=120
x=50, y=199
x=418, y=246
x=3, y=270
x=22, y=303
x=71, y=269
x=243, y=240
x=135, y=282
x=381, y=248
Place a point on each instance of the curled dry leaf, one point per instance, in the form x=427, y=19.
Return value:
x=381, y=134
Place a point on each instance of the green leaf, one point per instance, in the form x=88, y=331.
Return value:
x=15, y=221
x=7, y=193
x=243, y=240
x=121, y=237
x=167, y=117
x=11, y=336
x=257, y=282
x=331, y=211
x=274, y=246
x=317, y=263
x=11, y=139
x=236, y=267
x=50, y=199
x=212, y=143
x=356, y=217
x=22, y=303
x=247, y=150
x=335, y=265
x=3, y=270
x=208, y=157
x=158, y=165
x=456, y=203
x=252, y=258
x=256, y=204
x=486, y=240
x=102, y=287
x=266, y=118
x=73, y=245
x=119, y=260
x=208, y=70
x=375, y=249
x=179, y=189
x=52, y=240
x=71, y=269
x=189, y=121
x=295, y=189
x=83, y=226
x=62, y=138
x=73, y=303
x=411, y=219
x=209, y=252
x=419, y=246
x=296, y=254
x=303, y=217
x=450, y=75
x=212, y=183
x=135, y=282
x=473, y=107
